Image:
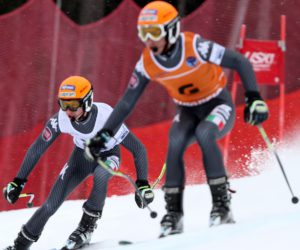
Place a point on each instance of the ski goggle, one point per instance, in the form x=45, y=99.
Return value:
x=72, y=105
x=153, y=32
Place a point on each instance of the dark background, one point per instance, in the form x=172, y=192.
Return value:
x=87, y=11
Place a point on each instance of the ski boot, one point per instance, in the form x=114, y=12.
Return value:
x=83, y=233
x=23, y=241
x=172, y=222
x=221, y=211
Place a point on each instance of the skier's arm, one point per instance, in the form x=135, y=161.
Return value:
x=215, y=53
x=136, y=87
x=124, y=107
x=50, y=132
x=256, y=110
x=139, y=153
x=241, y=64
x=38, y=147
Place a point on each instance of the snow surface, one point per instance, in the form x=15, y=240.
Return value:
x=265, y=215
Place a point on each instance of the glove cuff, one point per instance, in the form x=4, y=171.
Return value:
x=142, y=183
x=105, y=130
x=251, y=96
x=20, y=182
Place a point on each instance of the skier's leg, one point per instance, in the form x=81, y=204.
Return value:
x=92, y=211
x=221, y=198
x=218, y=123
x=180, y=135
x=23, y=241
x=172, y=222
x=71, y=175
x=82, y=235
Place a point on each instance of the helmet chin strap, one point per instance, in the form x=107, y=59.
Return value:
x=171, y=39
x=86, y=107
x=168, y=48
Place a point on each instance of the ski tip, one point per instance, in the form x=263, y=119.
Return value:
x=125, y=242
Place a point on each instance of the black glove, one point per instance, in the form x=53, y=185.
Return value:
x=13, y=190
x=94, y=145
x=145, y=191
x=256, y=110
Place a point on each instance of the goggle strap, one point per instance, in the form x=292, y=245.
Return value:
x=172, y=22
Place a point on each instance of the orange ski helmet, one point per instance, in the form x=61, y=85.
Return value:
x=158, y=19
x=75, y=92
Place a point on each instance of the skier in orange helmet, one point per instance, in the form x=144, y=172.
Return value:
x=191, y=70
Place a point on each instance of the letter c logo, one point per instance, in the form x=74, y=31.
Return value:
x=188, y=89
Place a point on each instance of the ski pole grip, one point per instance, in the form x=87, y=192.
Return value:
x=25, y=195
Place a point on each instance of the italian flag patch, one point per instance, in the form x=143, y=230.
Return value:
x=219, y=121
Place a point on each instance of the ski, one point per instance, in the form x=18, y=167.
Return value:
x=165, y=231
x=93, y=245
x=109, y=243
x=64, y=248
x=121, y=243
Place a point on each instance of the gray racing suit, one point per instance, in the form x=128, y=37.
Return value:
x=206, y=122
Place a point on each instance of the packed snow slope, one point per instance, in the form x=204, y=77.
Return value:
x=265, y=216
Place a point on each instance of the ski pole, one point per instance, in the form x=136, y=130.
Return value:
x=153, y=214
x=272, y=149
x=162, y=172
x=25, y=195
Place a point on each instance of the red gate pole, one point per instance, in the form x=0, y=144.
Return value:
x=282, y=79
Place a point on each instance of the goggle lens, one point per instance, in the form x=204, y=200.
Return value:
x=153, y=32
x=72, y=105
